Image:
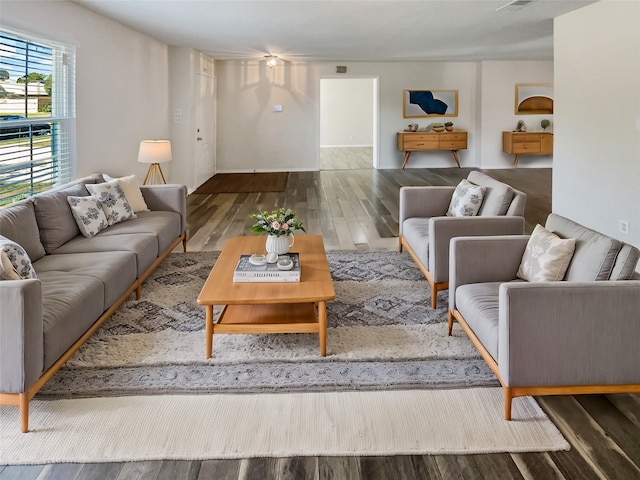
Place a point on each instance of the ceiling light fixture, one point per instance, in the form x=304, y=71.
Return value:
x=271, y=60
x=515, y=5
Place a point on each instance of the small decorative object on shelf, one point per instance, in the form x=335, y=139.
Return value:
x=278, y=225
x=545, y=124
x=412, y=127
x=437, y=127
x=448, y=126
x=521, y=126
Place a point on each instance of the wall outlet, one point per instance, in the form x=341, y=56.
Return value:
x=624, y=226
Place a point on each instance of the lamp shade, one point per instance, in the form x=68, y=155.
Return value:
x=154, y=151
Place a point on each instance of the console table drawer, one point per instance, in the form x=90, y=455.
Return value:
x=427, y=143
x=528, y=147
x=526, y=138
x=448, y=144
x=454, y=136
x=421, y=137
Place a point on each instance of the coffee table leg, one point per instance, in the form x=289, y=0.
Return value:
x=209, y=330
x=322, y=320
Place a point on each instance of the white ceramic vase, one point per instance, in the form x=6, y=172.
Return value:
x=279, y=245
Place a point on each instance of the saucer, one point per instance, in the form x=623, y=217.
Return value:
x=285, y=264
x=257, y=259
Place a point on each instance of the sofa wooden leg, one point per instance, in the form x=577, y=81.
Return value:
x=184, y=242
x=400, y=244
x=24, y=412
x=434, y=295
x=508, y=398
x=450, y=318
x=138, y=292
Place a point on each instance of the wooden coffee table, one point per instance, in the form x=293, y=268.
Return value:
x=269, y=307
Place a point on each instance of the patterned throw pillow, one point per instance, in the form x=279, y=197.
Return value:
x=546, y=257
x=88, y=214
x=113, y=201
x=466, y=200
x=132, y=191
x=15, y=264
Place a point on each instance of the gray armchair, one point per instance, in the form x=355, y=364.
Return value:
x=425, y=230
x=577, y=335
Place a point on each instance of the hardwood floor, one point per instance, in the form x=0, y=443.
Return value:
x=358, y=210
x=353, y=209
x=346, y=158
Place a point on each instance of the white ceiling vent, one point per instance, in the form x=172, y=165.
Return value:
x=515, y=5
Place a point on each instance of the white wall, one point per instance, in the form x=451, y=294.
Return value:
x=121, y=82
x=252, y=136
x=346, y=112
x=291, y=139
x=497, y=107
x=596, y=178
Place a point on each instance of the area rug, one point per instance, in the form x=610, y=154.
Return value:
x=245, y=183
x=199, y=427
x=392, y=382
x=382, y=334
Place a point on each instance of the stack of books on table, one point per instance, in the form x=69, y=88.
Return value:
x=247, y=271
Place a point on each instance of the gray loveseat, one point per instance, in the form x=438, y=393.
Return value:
x=577, y=335
x=80, y=280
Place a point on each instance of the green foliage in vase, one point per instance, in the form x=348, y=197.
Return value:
x=279, y=222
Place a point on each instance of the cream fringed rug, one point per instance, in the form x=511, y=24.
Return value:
x=197, y=427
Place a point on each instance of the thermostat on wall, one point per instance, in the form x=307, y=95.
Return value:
x=277, y=108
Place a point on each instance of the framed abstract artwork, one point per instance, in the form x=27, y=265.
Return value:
x=429, y=103
x=534, y=98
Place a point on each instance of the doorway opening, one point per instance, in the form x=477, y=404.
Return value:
x=348, y=123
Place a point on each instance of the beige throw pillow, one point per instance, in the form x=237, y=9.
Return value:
x=546, y=257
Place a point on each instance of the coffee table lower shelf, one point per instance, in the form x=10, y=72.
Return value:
x=270, y=318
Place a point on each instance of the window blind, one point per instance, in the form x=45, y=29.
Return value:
x=37, y=115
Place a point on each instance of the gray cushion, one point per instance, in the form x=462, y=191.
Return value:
x=116, y=270
x=478, y=304
x=594, y=254
x=165, y=225
x=626, y=262
x=144, y=245
x=415, y=231
x=70, y=305
x=497, y=196
x=18, y=223
x=55, y=220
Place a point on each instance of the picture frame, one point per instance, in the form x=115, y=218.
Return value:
x=534, y=98
x=429, y=103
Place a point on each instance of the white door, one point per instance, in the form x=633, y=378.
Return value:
x=205, y=128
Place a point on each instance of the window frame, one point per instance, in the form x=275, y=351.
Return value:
x=37, y=152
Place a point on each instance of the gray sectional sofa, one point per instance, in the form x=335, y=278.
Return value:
x=576, y=335
x=80, y=280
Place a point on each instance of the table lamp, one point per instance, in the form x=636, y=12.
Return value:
x=154, y=152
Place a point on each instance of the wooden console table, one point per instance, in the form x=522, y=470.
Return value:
x=527, y=143
x=409, y=142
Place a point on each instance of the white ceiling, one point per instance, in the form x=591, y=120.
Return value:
x=348, y=30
